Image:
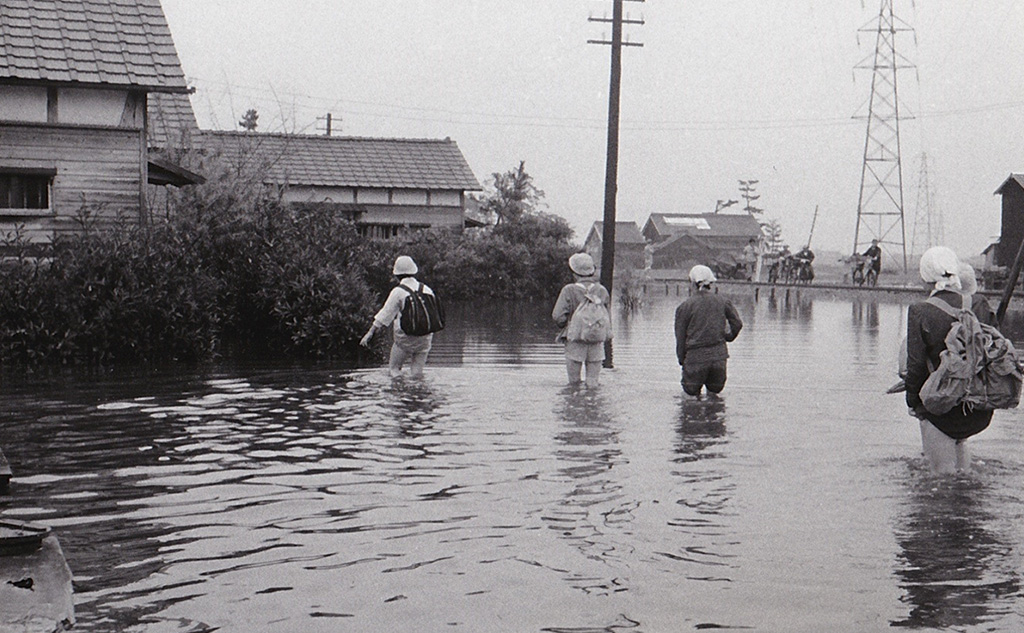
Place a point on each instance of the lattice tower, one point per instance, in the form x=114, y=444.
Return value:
x=880, y=202
x=927, y=231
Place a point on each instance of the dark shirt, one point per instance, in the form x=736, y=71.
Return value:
x=927, y=327
x=700, y=325
x=983, y=310
x=805, y=254
x=875, y=253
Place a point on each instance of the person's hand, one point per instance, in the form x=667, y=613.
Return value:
x=917, y=412
x=365, y=341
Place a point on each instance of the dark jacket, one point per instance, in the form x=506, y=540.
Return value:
x=701, y=327
x=927, y=327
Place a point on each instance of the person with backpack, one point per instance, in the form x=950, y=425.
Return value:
x=704, y=323
x=415, y=313
x=938, y=382
x=979, y=304
x=581, y=311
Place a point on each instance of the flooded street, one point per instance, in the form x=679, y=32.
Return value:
x=491, y=497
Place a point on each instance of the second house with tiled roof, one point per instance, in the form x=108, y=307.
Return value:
x=387, y=186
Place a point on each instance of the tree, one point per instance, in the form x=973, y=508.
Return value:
x=512, y=195
x=772, y=234
x=747, y=188
x=249, y=121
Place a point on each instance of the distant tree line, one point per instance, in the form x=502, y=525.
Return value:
x=231, y=270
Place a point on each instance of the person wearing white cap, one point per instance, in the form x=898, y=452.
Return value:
x=405, y=347
x=704, y=323
x=942, y=436
x=979, y=304
x=580, y=353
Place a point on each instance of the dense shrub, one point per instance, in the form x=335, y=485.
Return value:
x=230, y=271
x=525, y=258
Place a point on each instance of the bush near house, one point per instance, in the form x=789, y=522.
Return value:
x=231, y=273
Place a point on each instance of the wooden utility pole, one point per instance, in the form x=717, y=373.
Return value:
x=1011, y=283
x=611, y=173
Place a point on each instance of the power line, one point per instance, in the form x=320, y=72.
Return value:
x=575, y=122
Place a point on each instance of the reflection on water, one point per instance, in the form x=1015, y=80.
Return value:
x=491, y=497
x=594, y=509
x=958, y=569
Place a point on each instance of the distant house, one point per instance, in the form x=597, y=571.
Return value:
x=75, y=80
x=685, y=251
x=629, y=245
x=1012, y=226
x=387, y=186
x=682, y=239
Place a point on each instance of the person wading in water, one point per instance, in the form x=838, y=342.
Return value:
x=704, y=323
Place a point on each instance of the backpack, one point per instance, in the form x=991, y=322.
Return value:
x=422, y=312
x=591, y=322
x=978, y=370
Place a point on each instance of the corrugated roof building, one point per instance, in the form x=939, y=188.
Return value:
x=683, y=239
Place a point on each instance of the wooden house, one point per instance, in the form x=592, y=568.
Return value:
x=386, y=185
x=629, y=245
x=75, y=79
x=680, y=240
x=1011, y=230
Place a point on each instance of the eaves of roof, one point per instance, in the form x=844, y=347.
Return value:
x=334, y=161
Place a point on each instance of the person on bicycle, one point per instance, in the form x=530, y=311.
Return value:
x=803, y=259
x=874, y=255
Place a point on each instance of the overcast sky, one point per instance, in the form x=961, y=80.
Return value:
x=722, y=90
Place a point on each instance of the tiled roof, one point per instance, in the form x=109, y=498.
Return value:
x=123, y=43
x=625, y=232
x=171, y=121
x=717, y=224
x=346, y=161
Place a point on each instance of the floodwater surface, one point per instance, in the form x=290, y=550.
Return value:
x=491, y=497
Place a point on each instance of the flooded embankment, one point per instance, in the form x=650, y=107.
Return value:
x=490, y=497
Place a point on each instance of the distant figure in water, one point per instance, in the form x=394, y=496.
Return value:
x=704, y=323
x=579, y=352
x=942, y=436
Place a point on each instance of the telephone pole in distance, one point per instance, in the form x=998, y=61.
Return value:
x=611, y=174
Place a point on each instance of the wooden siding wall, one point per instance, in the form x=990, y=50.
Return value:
x=97, y=168
x=413, y=216
x=1012, y=229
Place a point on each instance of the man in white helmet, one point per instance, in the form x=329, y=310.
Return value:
x=406, y=347
x=704, y=323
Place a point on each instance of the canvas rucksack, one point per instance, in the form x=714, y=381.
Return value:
x=422, y=312
x=978, y=370
x=591, y=322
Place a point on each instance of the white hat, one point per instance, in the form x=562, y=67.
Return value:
x=404, y=266
x=940, y=266
x=582, y=264
x=702, y=275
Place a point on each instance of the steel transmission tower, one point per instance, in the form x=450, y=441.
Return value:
x=880, y=202
x=927, y=230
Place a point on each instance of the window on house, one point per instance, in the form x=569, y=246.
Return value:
x=25, y=191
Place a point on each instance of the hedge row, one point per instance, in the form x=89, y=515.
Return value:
x=247, y=276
